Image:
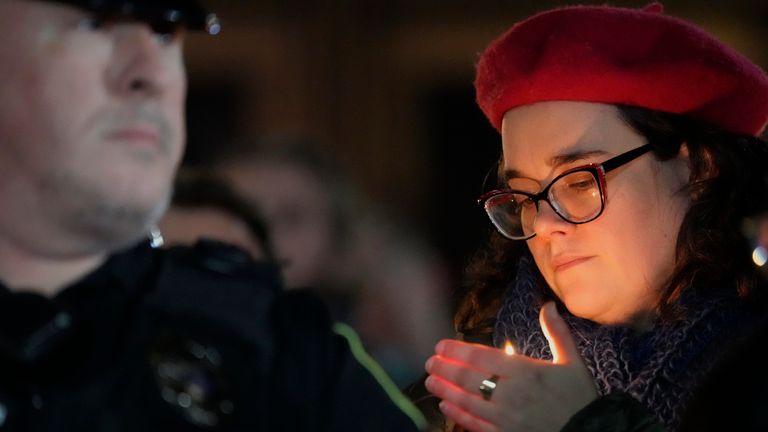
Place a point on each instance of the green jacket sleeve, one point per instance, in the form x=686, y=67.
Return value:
x=323, y=380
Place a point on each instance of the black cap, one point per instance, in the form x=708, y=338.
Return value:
x=188, y=13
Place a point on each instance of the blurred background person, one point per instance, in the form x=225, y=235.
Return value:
x=374, y=274
x=307, y=207
x=205, y=207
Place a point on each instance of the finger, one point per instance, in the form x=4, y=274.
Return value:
x=480, y=356
x=461, y=374
x=468, y=401
x=557, y=332
x=466, y=419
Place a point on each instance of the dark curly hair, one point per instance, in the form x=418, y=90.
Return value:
x=729, y=184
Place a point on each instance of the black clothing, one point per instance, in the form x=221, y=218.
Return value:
x=735, y=396
x=184, y=339
x=615, y=412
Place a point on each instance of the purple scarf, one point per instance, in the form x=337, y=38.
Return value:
x=660, y=368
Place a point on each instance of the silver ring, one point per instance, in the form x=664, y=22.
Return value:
x=487, y=386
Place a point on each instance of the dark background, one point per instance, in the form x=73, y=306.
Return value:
x=385, y=87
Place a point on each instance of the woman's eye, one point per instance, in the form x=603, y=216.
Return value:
x=581, y=185
x=526, y=202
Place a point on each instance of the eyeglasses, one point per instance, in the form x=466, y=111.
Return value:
x=577, y=196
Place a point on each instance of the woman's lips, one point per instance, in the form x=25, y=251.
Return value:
x=566, y=262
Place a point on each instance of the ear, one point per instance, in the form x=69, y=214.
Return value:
x=684, y=154
x=701, y=166
x=681, y=168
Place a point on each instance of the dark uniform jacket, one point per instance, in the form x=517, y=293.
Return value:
x=185, y=339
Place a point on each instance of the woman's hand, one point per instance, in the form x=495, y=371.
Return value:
x=530, y=394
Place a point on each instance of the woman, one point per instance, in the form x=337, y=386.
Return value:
x=630, y=161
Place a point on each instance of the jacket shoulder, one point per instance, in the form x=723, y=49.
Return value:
x=215, y=283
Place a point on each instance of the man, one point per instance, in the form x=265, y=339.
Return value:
x=98, y=330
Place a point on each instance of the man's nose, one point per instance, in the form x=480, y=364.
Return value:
x=142, y=64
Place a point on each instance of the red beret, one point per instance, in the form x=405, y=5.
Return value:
x=622, y=56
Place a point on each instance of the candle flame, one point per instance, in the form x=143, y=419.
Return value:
x=509, y=349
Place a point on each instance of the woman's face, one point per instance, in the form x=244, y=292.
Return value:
x=610, y=270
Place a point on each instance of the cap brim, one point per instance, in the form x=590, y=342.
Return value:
x=187, y=13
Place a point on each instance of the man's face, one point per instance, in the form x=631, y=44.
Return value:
x=91, y=127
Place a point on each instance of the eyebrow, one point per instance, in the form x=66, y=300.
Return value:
x=554, y=162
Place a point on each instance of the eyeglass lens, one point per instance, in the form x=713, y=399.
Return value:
x=574, y=196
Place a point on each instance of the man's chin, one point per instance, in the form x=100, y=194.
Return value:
x=113, y=228
x=138, y=227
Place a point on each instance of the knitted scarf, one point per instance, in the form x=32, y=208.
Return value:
x=659, y=368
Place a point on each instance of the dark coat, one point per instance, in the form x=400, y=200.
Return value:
x=186, y=339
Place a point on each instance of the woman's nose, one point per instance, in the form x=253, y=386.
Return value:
x=547, y=222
